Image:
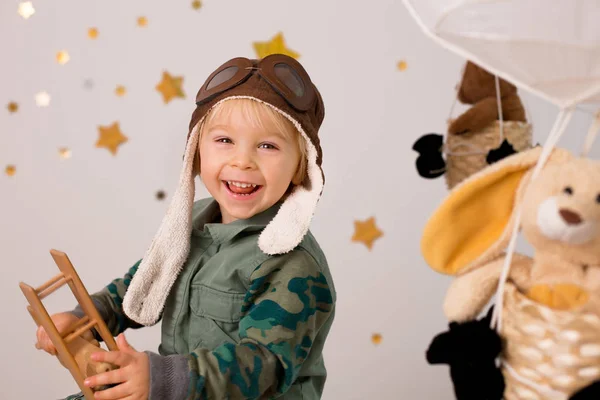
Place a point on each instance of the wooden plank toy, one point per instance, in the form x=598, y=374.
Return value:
x=73, y=351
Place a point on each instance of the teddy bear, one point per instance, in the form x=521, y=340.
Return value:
x=478, y=88
x=477, y=138
x=549, y=341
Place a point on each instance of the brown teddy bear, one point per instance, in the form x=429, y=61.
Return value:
x=478, y=87
x=477, y=138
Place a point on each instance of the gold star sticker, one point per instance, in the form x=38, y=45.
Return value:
x=376, y=338
x=402, y=65
x=120, y=90
x=366, y=232
x=111, y=137
x=92, y=33
x=10, y=170
x=12, y=107
x=275, y=45
x=62, y=57
x=142, y=21
x=170, y=87
x=64, y=153
x=196, y=4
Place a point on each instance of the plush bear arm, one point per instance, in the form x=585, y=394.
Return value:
x=512, y=108
x=468, y=294
x=475, y=118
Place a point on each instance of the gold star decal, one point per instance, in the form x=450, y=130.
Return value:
x=142, y=21
x=62, y=57
x=196, y=4
x=275, y=45
x=111, y=137
x=120, y=90
x=64, y=153
x=402, y=65
x=93, y=33
x=12, y=107
x=376, y=338
x=170, y=87
x=366, y=232
x=10, y=170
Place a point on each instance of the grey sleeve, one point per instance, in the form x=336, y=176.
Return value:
x=169, y=377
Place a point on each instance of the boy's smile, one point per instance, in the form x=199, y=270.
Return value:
x=242, y=190
x=247, y=159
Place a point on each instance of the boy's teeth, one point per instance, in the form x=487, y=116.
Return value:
x=241, y=185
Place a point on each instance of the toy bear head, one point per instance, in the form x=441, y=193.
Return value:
x=478, y=84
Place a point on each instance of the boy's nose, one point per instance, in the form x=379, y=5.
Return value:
x=243, y=160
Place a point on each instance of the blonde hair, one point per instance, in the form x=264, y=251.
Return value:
x=256, y=113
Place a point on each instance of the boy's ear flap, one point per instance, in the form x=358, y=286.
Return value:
x=474, y=224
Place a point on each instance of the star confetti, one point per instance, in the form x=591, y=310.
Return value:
x=42, y=99
x=376, y=338
x=62, y=57
x=196, y=4
x=170, y=87
x=111, y=137
x=366, y=232
x=160, y=195
x=142, y=21
x=275, y=45
x=402, y=65
x=10, y=170
x=93, y=33
x=64, y=153
x=120, y=90
x=26, y=9
x=12, y=107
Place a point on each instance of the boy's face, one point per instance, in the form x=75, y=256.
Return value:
x=246, y=168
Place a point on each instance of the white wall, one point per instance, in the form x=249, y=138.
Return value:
x=101, y=209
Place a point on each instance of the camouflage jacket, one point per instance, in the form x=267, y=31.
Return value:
x=237, y=324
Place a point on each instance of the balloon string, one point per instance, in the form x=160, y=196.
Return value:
x=499, y=103
x=591, y=135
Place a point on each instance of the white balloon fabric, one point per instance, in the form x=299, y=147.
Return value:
x=549, y=48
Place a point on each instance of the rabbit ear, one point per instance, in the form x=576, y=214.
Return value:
x=473, y=225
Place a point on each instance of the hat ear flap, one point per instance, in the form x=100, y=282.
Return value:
x=473, y=225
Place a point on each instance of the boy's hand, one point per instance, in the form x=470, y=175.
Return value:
x=132, y=377
x=63, y=321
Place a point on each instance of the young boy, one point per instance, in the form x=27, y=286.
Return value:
x=242, y=287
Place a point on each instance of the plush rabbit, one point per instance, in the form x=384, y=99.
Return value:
x=551, y=311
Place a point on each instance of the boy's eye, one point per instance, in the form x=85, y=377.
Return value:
x=223, y=140
x=268, y=146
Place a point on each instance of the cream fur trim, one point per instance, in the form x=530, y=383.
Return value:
x=145, y=298
x=148, y=290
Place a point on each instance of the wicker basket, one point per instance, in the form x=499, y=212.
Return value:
x=466, y=154
x=556, y=352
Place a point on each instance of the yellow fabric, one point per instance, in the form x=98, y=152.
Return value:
x=560, y=296
x=472, y=219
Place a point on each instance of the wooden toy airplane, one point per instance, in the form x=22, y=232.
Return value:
x=72, y=350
